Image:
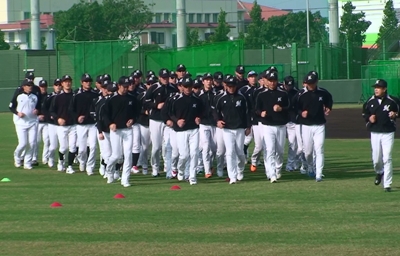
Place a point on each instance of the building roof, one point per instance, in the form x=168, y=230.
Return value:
x=266, y=12
x=46, y=20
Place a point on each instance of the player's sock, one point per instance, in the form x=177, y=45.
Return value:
x=103, y=163
x=118, y=166
x=71, y=157
x=245, y=149
x=135, y=158
x=61, y=156
x=87, y=151
x=77, y=150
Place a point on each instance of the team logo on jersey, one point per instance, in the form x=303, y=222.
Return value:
x=194, y=105
x=279, y=99
x=386, y=108
x=238, y=103
x=130, y=103
x=320, y=99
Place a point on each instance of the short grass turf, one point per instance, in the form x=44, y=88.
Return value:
x=343, y=215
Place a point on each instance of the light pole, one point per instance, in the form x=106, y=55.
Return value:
x=308, y=22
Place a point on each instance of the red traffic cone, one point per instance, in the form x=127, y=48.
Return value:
x=119, y=196
x=175, y=187
x=55, y=204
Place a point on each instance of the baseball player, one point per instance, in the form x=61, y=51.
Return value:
x=120, y=112
x=185, y=112
x=82, y=108
x=139, y=85
x=233, y=117
x=180, y=71
x=42, y=132
x=380, y=113
x=155, y=98
x=25, y=106
x=239, y=74
x=272, y=106
x=217, y=82
x=312, y=106
x=66, y=130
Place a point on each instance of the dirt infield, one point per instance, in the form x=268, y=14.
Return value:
x=347, y=124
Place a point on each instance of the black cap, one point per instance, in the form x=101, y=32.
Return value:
x=187, y=82
x=43, y=83
x=197, y=83
x=272, y=68
x=240, y=69
x=314, y=73
x=99, y=79
x=27, y=82
x=86, y=78
x=112, y=87
x=173, y=75
x=271, y=76
x=137, y=73
x=226, y=77
x=310, y=78
x=124, y=81
x=252, y=73
x=208, y=76
x=152, y=79
x=289, y=81
x=180, y=67
x=105, y=84
x=106, y=77
x=380, y=83
x=131, y=79
x=164, y=73
x=66, y=78
x=231, y=81
x=218, y=76
x=57, y=81
x=150, y=73
x=30, y=75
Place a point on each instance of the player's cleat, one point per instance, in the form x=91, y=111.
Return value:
x=220, y=173
x=89, y=172
x=253, y=168
x=174, y=173
x=126, y=185
x=180, y=177
x=278, y=175
x=135, y=170
x=110, y=179
x=45, y=161
x=70, y=170
x=76, y=160
x=239, y=176
x=28, y=167
x=17, y=164
x=311, y=174
x=273, y=180
x=318, y=179
x=231, y=182
x=82, y=167
x=208, y=175
x=388, y=190
x=145, y=171
x=116, y=175
x=192, y=181
x=102, y=170
x=378, y=179
x=60, y=166
x=303, y=170
x=51, y=163
x=35, y=163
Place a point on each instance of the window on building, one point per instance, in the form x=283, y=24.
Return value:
x=215, y=18
x=207, y=18
x=27, y=15
x=28, y=39
x=11, y=37
x=173, y=17
x=158, y=17
x=199, y=18
x=166, y=16
x=191, y=18
x=207, y=35
x=157, y=38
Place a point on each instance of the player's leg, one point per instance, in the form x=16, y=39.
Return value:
x=35, y=150
x=292, y=158
x=62, y=135
x=145, y=144
x=258, y=146
x=247, y=141
x=116, y=154
x=106, y=151
x=387, y=146
x=300, y=150
x=53, y=144
x=156, y=131
x=127, y=141
x=308, y=146
x=241, y=157
x=32, y=140
x=376, y=147
x=92, y=142
x=183, y=149
x=82, y=142
x=206, y=149
x=22, y=142
x=193, y=142
x=46, y=144
x=280, y=147
x=231, y=156
x=72, y=137
x=269, y=133
x=174, y=153
x=220, y=154
x=319, y=141
x=136, y=144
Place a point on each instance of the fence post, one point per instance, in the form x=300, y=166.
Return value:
x=294, y=63
x=321, y=61
x=317, y=58
x=348, y=58
x=384, y=49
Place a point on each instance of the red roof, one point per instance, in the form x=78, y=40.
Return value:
x=266, y=12
x=46, y=20
x=190, y=25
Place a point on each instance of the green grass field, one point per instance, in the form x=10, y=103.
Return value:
x=343, y=215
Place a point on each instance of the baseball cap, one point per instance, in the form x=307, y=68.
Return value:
x=124, y=81
x=30, y=75
x=106, y=77
x=240, y=69
x=380, y=83
x=289, y=81
x=226, y=77
x=208, y=76
x=105, y=84
x=310, y=78
x=151, y=79
x=180, y=67
x=86, y=78
x=150, y=73
x=252, y=73
x=314, y=73
x=164, y=73
x=271, y=76
x=197, y=83
x=43, y=83
x=112, y=87
x=65, y=78
x=231, y=81
x=27, y=82
x=99, y=79
x=218, y=76
x=131, y=79
x=57, y=81
x=272, y=68
x=187, y=82
x=137, y=73
x=173, y=75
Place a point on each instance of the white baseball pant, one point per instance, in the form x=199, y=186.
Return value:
x=382, y=145
x=235, y=158
x=42, y=134
x=121, y=147
x=293, y=156
x=313, y=140
x=221, y=149
x=87, y=136
x=26, y=142
x=170, y=151
x=300, y=148
x=156, y=136
x=274, y=143
x=145, y=144
x=188, y=143
x=258, y=143
x=105, y=147
x=136, y=143
x=53, y=141
x=67, y=139
x=248, y=138
x=208, y=145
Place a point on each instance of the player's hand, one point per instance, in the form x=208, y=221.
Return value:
x=372, y=119
x=221, y=124
x=277, y=108
x=129, y=123
x=247, y=131
x=20, y=114
x=160, y=105
x=35, y=111
x=81, y=119
x=197, y=120
x=392, y=114
x=101, y=136
x=181, y=123
x=169, y=123
x=304, y=114
x=61, y=121
x=41, y=117
x=264, y=114
x=327, y=111
x=146, y=112
x=113, y=127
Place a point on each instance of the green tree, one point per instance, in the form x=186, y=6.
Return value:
x=192, y=37
x=282, y=31
x=110, y=20
x=3, y=44
x=43, y=43
x=390, y=22
x=255, y=35
x=353, y=25
x=222, y=30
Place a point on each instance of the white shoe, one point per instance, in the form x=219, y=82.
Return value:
x=105, y=176
x=135, y=170
x=60, y=166
x=51, y=163
x=303, y=170
x=220, y=173
x=102, y=170
x=180, y=177
x=82, y=167
x=28, y=167
x=126, y=185
x=273, y=179
x=76, y=160
x=145, y=171
x=70, y=170
x=17, y=164
x=110, y=178
x=278, y=175
x=192, y=181
x=232, y=182
x=90, y=173
x=45, y=161
x=239, y=176
x=117, y=176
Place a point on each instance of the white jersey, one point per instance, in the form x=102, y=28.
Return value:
x=24, y=103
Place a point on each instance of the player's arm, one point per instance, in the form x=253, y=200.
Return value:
x=171, y=110
x=366, y=113
x=258, y=105
x=328, y=100
x=13, y=104
x=247, y=111
x=107, y=114
x=149, y=102
x=53, y=108
x=99, y=120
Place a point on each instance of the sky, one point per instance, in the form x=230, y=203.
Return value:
x=296, y=5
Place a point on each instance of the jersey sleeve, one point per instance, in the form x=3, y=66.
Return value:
x=13, y=104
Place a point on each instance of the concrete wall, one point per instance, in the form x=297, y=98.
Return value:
x=343, y=91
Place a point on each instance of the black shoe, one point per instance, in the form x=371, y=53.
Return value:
x=35, y=163
x=388, y=190
x=378, y=179
x=155, y=176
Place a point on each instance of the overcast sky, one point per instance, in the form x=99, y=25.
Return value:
x=297, y=5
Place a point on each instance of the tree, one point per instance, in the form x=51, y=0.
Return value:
x=390, y=22
x=222, y=30
x=282, y=31
x=192, y=37
x=110, y=20
x=3, y=44
x=353, y=25
x=256, y=29
x=43, y=44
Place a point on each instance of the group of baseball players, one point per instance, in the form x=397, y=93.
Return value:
x=188, y=121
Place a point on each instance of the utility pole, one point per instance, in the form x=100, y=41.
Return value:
x=333, y=22
x=308, y=22
x=181, y=23
x=35, y=25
